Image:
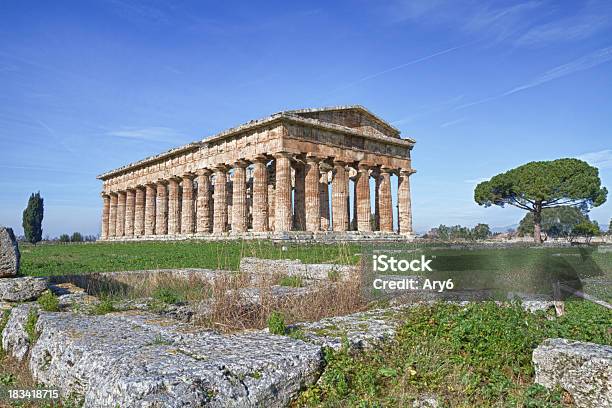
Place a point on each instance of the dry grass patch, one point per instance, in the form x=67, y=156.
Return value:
x=236, y=305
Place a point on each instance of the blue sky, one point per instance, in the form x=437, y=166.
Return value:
x=87, y=86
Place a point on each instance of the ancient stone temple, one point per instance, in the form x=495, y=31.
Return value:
x=303, y=170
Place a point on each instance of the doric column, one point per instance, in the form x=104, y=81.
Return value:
x=220, y=200
x=339, y=197
x=271, y=195
x=105, y=213
x=384, y=204
x=404, y=202
x=282, y=212
x=161, y=213
x=130, y=209
x=187, y=224
x=112, y=215
x=353, y=219
x=362, y=198
x=324, y=196
x=203, y=211
x=150, y=197
x=260, y=195
x=139, y=211
x=299, y=197
x=239, y=198
x=174, y=206
x=312, y=197
x=376, y=176
x=121, y=196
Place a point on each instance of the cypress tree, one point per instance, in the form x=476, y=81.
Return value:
x=32, y=219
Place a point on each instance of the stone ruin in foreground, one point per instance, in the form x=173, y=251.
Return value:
x=268, y=177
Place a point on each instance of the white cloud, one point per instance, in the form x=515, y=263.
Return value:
x=474, y=17
x=601, y=159
x=152, y=133
x=591, y=18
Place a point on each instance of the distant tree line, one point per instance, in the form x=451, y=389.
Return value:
x=458, y=232
x=76, y=237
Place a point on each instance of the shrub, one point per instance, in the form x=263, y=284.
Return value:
x=168, y=296
x=105, y=306
x=49, y=302
x=276, y=323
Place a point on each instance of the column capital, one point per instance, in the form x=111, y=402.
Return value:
x=365, y=166
x=203, y=172
x=260, y=158
x=150, y=183
x=407, y=172
x=241, y=163
x=386, y=169
x=175, y=178
x=162, y=181
x=128, y=189
x=339, y=162
x=140, y=186
x=325, y=167
x=188, y=175
x=311, y=159
x=283, y=154
x=221, y=167
x=104, y=194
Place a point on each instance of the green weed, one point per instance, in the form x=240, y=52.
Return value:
x=49, y=302
x=276, y=323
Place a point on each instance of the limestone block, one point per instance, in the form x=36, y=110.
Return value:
x=21, y=289
x=9, y=253
x=582, y=369
x=138, y=359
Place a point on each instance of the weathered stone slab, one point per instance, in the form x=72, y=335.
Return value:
x=582, y=369
x=363, y=330
x=9, y=253
x=140, y=360
x=21, y=289
x=15, y=338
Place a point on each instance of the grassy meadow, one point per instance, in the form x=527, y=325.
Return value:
x=511, y=268
x=61, y=259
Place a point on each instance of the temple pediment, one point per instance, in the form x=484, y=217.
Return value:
x=352, y=116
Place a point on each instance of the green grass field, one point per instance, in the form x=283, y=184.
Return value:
x=62, y=259
x=516, y=268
